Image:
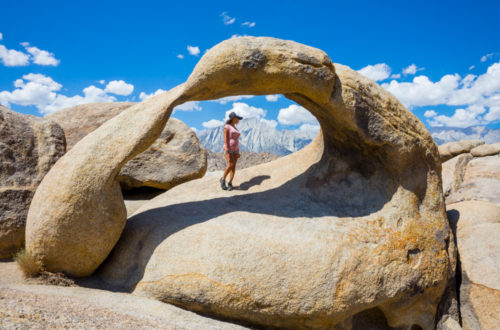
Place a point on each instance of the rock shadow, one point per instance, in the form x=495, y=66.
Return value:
x=349, y=197
x=255, y=181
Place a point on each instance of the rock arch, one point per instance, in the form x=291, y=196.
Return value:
x=372, y=156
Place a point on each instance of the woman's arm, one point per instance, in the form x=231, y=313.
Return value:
x=226, y=139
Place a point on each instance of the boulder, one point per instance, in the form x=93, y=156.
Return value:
x=477, y=227
x=29, y=146
x=349, y=231
x=486, y=150
x=452, y=149
x=475, y=178
x=177, y=146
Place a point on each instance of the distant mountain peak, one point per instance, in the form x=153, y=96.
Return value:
x=259, y=135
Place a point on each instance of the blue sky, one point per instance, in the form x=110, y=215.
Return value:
x=440, y=58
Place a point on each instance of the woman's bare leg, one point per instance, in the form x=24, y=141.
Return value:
x=228, y=167
x=233, y=168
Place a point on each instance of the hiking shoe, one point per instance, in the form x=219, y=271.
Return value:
x=229, y=186
x=223, y=184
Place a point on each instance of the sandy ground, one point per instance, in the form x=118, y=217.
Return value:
x=29, y=304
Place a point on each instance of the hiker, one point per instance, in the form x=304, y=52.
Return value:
x=231, y=149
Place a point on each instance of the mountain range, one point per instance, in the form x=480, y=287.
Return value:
x=259, y=135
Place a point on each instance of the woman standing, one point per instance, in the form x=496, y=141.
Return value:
x=231, y=149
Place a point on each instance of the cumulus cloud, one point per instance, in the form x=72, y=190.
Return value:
x=395, y=75
x=41, y=91
x=193, y=50
x=430, y=113
x=180, y=56
x=411, y=70
x=102, y=82
x=143, y=96
x=376, y=72
x=238, y=36
x=248, y=24
x=212, y=123
x=189, y=106
x=11, y=57
x=273, y=97
x=295, y=115
x=461, y=118
x=487, y=57
x=41, y=57
x=246, y=111
x=119, y=87
x=226, y=19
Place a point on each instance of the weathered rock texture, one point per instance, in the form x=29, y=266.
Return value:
x=477, y=227
x=29, y=146
x=350, y=229
x=486, y=150
x=176, y=156
x=472, y=178
x=452, y=149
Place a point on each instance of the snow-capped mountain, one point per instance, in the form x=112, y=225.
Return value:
x=258, y=135
x=451, y=134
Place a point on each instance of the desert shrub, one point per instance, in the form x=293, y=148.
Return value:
x=30, y=266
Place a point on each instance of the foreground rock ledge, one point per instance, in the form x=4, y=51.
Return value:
x=349, y=229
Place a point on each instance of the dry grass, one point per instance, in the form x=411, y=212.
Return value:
x=30, y=266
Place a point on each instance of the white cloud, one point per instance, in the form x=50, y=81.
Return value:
x=40, y=91
x=189, y=106
x=143, y=96
x=102, y=82
x=119, y=87
x=411, y=69
x=421, y=91
x=248, y=24
x=273, y=97
x=461, y=118
x=193, y=50
x=309, y=128
x=194, y=129
x=212, y=123
x=487, y=57
x=180, y=56
x=238, y=36
x=91, y=94
x=295, y=115
x=376, y=72
x=246, y=111
x=41, y=57
x=226, y=19
x=11, y=57
x=472, y=67
x=1, y=36
x=395, y=75
x=430, y=113
x=228, y=99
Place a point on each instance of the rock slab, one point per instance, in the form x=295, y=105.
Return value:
x=29, y=146
x=477, y=227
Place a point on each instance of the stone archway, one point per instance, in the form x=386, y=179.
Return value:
x=373, y=162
